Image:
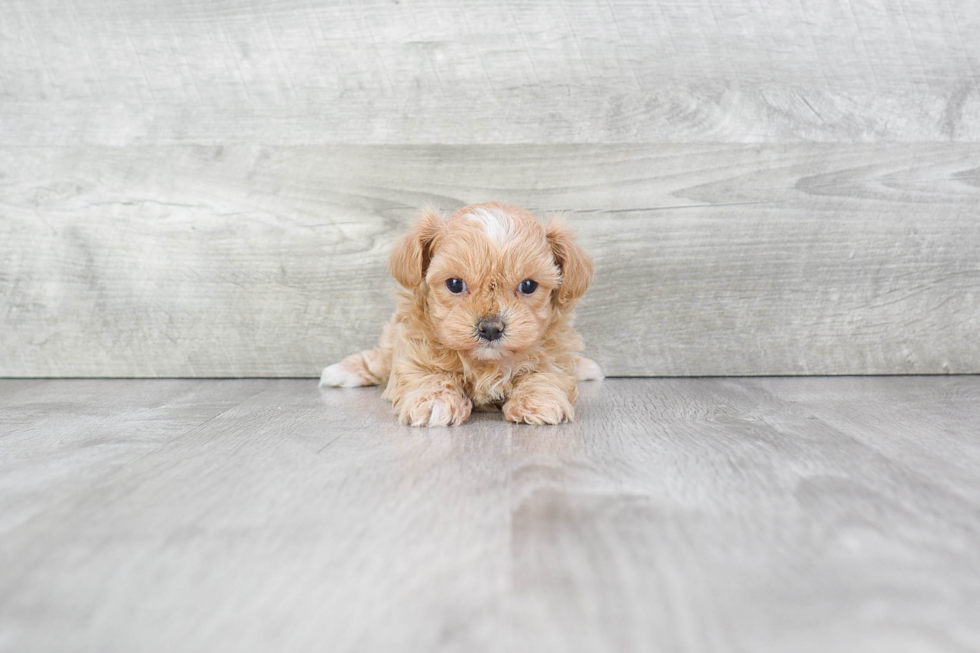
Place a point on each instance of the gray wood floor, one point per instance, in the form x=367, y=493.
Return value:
x=779, y=514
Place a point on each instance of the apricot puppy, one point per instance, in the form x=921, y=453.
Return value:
x=484, y=320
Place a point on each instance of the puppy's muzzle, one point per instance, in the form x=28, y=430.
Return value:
x=490, y=329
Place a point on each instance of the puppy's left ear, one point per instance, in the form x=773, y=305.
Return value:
x=574, y=262
x=409, y=259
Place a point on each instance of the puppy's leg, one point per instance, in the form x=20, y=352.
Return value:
x=425, y=399
x=365, y=368
x=542, y=398
x=587, y=370
x=370, y=367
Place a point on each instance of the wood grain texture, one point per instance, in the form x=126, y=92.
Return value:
x=102, y=427
x=210, y=189
x=680, y=515
x=712, y=260
x=128, y=72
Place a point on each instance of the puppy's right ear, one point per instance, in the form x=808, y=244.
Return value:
x=410, y=258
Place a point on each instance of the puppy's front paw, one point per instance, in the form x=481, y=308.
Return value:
x=539, y=407
x=438, y=408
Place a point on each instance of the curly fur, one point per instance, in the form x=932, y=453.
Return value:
x=435, y=366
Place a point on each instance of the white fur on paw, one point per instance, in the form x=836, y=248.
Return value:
x=335, y=375
x=587, y=369
x=440, y=414
x=439, y=410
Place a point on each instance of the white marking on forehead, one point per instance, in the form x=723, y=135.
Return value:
x=496, y=223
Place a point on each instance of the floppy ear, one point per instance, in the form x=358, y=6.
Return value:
x=410, y=258
x=574, y=262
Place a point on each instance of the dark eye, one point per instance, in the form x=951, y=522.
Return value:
x=528, y=286
x=455, y=286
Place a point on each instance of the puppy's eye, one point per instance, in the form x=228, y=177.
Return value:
x=528, y=286
x=455, y=286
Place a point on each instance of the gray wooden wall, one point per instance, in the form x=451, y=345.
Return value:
x=210, y=189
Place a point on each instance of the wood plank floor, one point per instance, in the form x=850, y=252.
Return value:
x=767, y=514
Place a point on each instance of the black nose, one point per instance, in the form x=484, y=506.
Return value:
x=490, y=330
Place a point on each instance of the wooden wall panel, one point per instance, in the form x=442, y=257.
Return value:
x=445, y=71
x=721, y=259
x=210, y=189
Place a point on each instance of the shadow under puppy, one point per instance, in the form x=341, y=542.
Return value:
x=484, y=320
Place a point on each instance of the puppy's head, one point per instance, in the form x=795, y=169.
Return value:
x=491, y=279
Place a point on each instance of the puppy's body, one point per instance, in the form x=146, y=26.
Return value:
x=483, y=321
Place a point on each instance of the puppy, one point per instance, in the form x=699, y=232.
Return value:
x=484, y=321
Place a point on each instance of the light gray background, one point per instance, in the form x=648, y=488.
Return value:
x=211, y=189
